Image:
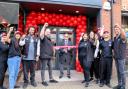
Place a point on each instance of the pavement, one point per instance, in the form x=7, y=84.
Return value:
x=65, y=83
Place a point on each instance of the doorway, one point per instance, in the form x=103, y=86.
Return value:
x=57, y=35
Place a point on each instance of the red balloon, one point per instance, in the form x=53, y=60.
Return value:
x=39, y=17
x=42, y=21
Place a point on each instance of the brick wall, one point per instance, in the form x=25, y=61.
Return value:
x=105, y=20
x=105, y=15
x=124, y=5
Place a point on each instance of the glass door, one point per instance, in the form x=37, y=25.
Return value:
x=57, y=34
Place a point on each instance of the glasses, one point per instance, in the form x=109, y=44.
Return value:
x=106, y=32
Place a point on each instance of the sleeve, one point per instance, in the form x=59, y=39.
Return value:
x=96, y=50
x=38, y=48
x=4, y=47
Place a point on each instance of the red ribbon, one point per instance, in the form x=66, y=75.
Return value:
x=58, y=47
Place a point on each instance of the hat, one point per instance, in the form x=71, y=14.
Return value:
x=3, y=34
x=18, y=32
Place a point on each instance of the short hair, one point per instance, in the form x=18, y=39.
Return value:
x=117, y=25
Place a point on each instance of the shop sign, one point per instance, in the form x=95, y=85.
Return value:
x=107, y=6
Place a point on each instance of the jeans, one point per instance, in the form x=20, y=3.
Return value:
x=120, y=65
x=86, y=69
x=29, y=66
x=13, y=67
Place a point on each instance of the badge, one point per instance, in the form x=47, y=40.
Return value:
x=85, y=44
x=110, y=43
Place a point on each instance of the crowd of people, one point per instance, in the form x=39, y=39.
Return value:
x=95, y=53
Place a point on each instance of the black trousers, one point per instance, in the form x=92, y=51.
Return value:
x=65, y=62
x=29, y=66
x=86, y=65
x=46, y=62
x=97, y=68
x=92, y=70
x=105, y=70
x=3, y=68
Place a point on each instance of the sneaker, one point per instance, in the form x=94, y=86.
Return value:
x=34, y=84
x=117, y=87
x=101, y=85
x=69, y=76
x=25, y=85
x=97, y=81
x=16, y=86
x=109, y=85
x=3, y=87
x=83, y=81
x=122, y=87
x=86, y=84
x=60, y=77
x=90, y=79
x=53, y=81
x=45, y=83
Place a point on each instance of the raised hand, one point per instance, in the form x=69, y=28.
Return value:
x=46, y=24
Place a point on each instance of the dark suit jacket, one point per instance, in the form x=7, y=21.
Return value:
x=65, y=58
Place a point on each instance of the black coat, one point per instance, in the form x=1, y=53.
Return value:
x=4, y=48
x=26, y=46
x=86, y=49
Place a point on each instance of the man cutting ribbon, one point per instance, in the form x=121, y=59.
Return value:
x=65, y=56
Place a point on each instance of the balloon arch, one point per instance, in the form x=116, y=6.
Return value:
x=35, y=18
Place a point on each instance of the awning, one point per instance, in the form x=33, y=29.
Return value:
x=84, y=3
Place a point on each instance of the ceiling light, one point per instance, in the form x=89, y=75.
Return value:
x=77, y=11
x=60, y=10
x=42, y=9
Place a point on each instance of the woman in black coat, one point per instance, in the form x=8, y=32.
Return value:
x=85, y=55
x=3, y=58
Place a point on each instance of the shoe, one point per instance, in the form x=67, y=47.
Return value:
x=101, y=85
x=45, y=83
x=117, y=87
x=97, y=81
x=122, y=87
x=34, y=84
x=109, y=85
x=90, y=79
x=3, y=87
x=86, y=84
x=83, y=81
x=25, y=85
x=69, y=76
x=53, y=81
x=60, y=77
x=16, y=86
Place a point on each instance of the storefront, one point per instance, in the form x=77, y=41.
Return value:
x=63, y=16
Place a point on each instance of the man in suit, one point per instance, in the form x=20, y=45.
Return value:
x=65, y=56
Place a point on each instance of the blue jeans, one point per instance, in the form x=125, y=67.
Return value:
x=120, y=65
x=13, y=67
